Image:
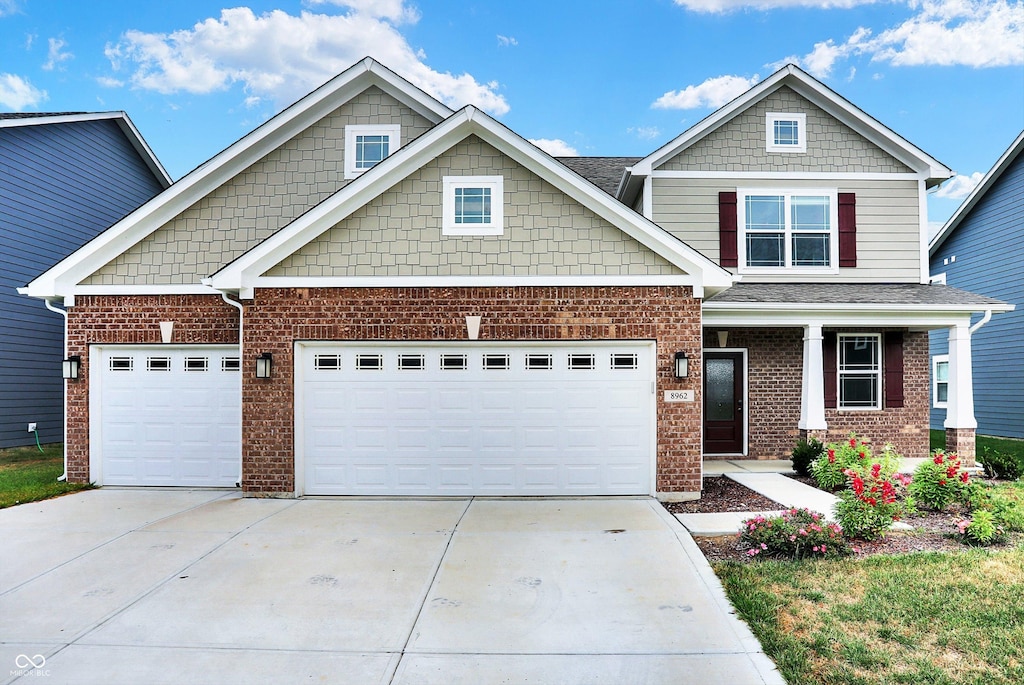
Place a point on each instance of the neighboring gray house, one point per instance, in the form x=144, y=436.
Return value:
x=64, y=178
x=981, y=249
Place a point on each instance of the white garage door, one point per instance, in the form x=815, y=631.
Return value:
x=462, y=419
x=166, y=415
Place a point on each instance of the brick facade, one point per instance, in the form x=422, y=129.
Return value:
x=279, y=317
x=775, y=374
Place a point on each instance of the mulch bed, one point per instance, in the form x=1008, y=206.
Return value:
x=930, y=532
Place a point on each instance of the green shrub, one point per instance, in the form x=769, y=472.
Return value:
x=1008, y=511
x=796, y=534
x=940, y=481
x=874, y=501
x=999, y=464
x=981, y=529
x=829, y=469
x=805, y=452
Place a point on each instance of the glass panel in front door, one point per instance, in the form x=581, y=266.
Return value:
x=721, y=384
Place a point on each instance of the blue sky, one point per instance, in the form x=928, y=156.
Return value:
x=590, y=78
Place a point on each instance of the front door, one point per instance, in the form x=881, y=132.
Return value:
x=723, y=403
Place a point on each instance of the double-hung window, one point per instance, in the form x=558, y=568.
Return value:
x=366, y=145
x=473, y=205
x=860, y=371
x=788, y=230
x=940, y=381
x=785, y=132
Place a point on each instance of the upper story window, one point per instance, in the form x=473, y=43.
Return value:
x=786, y=132
x=782, y=229
x=473, y=205
x=860, y=371
x=940, y=381
x=366, y=145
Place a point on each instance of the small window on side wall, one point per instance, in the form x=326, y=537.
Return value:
x=785, y=132
x=473, y=205
x=366, y=145
x=940, y=381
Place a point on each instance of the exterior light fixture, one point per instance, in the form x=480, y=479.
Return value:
x=682, y=365
x=69, y=367
x=264, y=365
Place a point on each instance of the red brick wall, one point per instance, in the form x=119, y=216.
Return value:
x=132, y=320
x=775, y=360
x=279, y=317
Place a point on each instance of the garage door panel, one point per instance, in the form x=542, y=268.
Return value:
x=551, y=419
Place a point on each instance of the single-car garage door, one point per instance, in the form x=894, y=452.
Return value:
x=166, y=415
x=467, y=419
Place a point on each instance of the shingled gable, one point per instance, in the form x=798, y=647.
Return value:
x=61, y=281
x=928, y=168
x=248, y=271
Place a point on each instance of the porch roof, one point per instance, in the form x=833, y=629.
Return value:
x=913, y=296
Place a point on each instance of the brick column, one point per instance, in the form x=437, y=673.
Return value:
x=961, y=441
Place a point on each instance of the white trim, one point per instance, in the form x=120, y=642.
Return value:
x=146, y=289
x=464, y=281
x=787, y=175
x=922, y=213
x=787, y=195
x=879, y=374
x=939, y=279
x=812, y=386
x=960, y=396
x=647, y=201
x=771, y=118
x=761, y=307
x=922, y=321
x=936, y=360
x=392, y=131
x=746, y=403
x=494, y=184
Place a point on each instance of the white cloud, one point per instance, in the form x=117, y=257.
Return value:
x=730, y=5
x=556, y=147
x=395, y=11
x=506, y=41
x=714, y=92
x=282, y=57
x=960, y=186
x=16, y=93
x=55, y=57
x=644, y=132
x=109, y=82
x=972, y=33
x=8, y=7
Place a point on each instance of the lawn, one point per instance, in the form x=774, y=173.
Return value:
x=1006, y=445
x=28, y=475
x=939, y=618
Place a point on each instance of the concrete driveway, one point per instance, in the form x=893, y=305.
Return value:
x=159, y=586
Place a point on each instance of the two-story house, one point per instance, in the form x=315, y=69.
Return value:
x=374, y=294
x=65, y=177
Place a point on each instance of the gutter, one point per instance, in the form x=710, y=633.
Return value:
x=984, y=320
x=64, y=313
x=241, y=377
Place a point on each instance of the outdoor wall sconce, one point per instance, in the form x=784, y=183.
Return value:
x=682, y=365
x=264, y=365
x=69, y=367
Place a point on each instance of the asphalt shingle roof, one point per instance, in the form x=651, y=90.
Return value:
x=35, y=115
x=851, y=293
x=603, y=172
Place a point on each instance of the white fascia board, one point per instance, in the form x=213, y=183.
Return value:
x=790, y=318
x=142, y=147
x=58, y=119
x=147, y=289
x=466, y=281
x=1016, y=147
x=790, y=175
x=762, y=307
x=225, y=165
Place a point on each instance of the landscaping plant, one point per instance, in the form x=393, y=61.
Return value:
x=796, y=534
x=804, y=454
x=982, y=529
x=829, y=469
x=874, y=501
x=940, y=482
x=998, y=464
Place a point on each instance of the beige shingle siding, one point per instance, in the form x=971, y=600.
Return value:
x=739, y=145
x=888, y=224
x=546, y=232
x=258, y=201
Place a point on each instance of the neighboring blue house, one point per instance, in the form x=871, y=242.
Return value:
x=981, y=249
x=64, y=178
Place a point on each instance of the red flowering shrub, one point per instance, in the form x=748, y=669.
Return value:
x=940, y=482
x=828, y=469
x=876, y=497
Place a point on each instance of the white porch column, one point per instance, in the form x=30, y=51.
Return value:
x=812, y=391
x=960, y=402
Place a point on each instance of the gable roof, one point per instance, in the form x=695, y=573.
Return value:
x=245, y=273
x=816, y=92
x=60, y=280
x=1001, y=165
x=20, y=119
x=603, y=172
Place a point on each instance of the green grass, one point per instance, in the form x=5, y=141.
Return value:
x=1007, y=445
x=28, y=475
x=947, y=618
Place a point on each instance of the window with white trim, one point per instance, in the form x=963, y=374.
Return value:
x=788, y=230
x=940, y=381
x=473, y=205
x=368, y=144
x=860, y=371
x=785, y=132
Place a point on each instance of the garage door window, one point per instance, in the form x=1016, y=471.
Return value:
x=369, y=362
x=197, y=363
x=158, y=363
x=453, y=362
x=122, y=363
x=539, y=362
x=230, y=364
x=411, y=362
x=327, y=362
x=581, y=362
x=624, y=362
x=496, y=362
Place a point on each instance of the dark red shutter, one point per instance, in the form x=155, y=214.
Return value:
x=847, y=229
x=893, y=370
x=829, y=368
x=727, y=229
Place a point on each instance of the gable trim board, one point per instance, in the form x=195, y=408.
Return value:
x=247, y=272
x=62, y=279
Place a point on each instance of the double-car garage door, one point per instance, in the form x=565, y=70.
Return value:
x=392, y=419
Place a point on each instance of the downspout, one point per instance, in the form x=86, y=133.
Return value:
x=984, y=320
x=64, y=313
x=241, y=378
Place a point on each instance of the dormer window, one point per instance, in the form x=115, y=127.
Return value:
x=786, y=132
x=366, y=145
